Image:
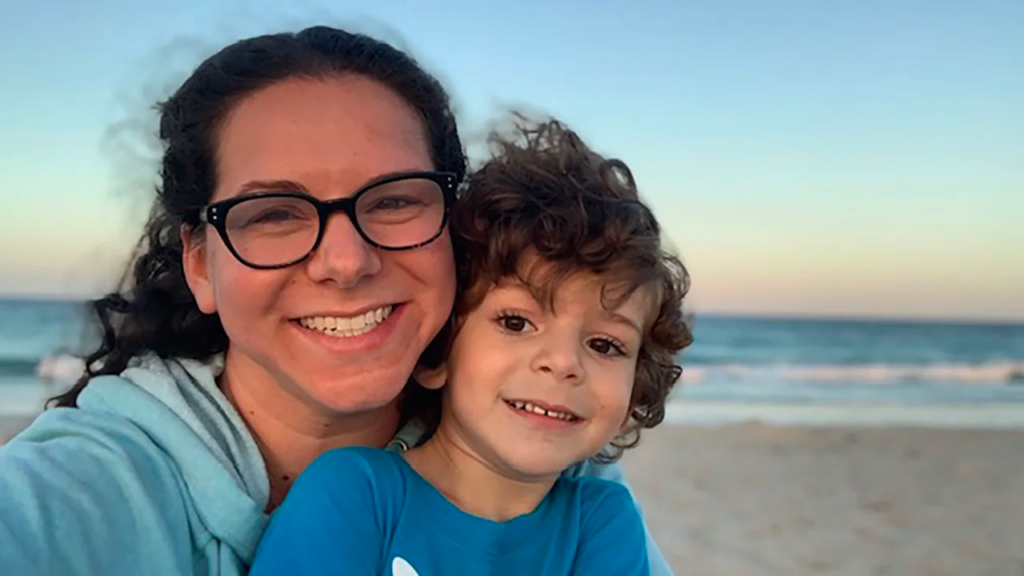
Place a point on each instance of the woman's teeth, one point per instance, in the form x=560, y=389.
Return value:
x=531, y=407
x=342, y=327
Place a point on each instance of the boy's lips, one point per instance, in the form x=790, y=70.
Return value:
x=552, y=411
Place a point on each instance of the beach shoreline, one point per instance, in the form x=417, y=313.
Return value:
x=970, y=416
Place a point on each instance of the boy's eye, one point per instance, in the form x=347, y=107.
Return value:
x=513, y=323
x=606, y=347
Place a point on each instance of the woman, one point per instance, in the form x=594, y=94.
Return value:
x=231, y=358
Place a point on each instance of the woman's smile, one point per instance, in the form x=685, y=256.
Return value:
x=347, y=326
x=349, y=334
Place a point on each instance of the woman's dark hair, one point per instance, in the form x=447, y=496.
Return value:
x=153, y=309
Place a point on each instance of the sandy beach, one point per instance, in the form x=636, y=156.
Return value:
x=757, y=500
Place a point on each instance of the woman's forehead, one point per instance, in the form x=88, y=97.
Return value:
x=331, y=136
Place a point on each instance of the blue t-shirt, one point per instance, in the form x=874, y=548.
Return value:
x=361, y=511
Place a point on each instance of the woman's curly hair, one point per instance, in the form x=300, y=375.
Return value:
x=544, y=192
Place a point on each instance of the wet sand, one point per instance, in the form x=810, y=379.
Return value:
x=759, y=500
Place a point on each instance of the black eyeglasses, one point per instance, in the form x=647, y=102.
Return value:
x=278, y=229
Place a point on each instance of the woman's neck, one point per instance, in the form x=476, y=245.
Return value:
x=291, y=433
x=471, y=483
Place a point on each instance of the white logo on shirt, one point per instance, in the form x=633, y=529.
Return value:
x=399, y=567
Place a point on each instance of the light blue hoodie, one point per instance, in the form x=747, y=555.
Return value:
x=154, y=473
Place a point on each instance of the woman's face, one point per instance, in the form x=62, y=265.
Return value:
x=326, y=138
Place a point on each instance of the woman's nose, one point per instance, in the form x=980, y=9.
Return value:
x=343, y=256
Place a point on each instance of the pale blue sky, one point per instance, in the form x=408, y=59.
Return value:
x=808, y=157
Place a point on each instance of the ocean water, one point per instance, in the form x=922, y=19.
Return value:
x=34, y=333
x=790, y=371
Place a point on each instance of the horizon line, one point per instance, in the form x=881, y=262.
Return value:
x=695, y=315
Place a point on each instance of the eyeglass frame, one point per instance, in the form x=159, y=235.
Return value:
x=215, y=214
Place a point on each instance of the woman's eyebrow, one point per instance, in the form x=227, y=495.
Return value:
x=286, y=185
x=264, y=185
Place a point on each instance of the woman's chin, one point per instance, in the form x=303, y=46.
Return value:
x=358, y=394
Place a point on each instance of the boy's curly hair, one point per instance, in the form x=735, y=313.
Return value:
x=544, y=192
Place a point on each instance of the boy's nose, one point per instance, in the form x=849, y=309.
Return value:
x=561, y=358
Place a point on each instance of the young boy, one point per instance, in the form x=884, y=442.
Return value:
x=567, y=324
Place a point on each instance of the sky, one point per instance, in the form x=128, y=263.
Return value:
x=842, y=158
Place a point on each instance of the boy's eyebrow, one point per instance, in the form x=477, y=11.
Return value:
x=607, y=314
x=620, y=319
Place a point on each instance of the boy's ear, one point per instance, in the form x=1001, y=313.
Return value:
x=627, y=421
x=431, y=379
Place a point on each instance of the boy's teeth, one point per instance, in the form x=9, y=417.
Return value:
x=531, y=407
x=343, y=327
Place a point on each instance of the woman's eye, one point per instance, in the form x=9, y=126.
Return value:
x=273, y=216
x=393, y=203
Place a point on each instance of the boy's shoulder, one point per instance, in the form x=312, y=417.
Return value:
x=355, y=468
x=593, y=491
x=371, y=456
x=352, y=460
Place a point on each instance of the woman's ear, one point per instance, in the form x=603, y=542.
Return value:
x=197, y=274
x=432, y=379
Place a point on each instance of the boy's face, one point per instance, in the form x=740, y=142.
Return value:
x=531, y=390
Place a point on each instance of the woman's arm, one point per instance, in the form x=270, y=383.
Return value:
x=81, y=494
x=658, y=564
